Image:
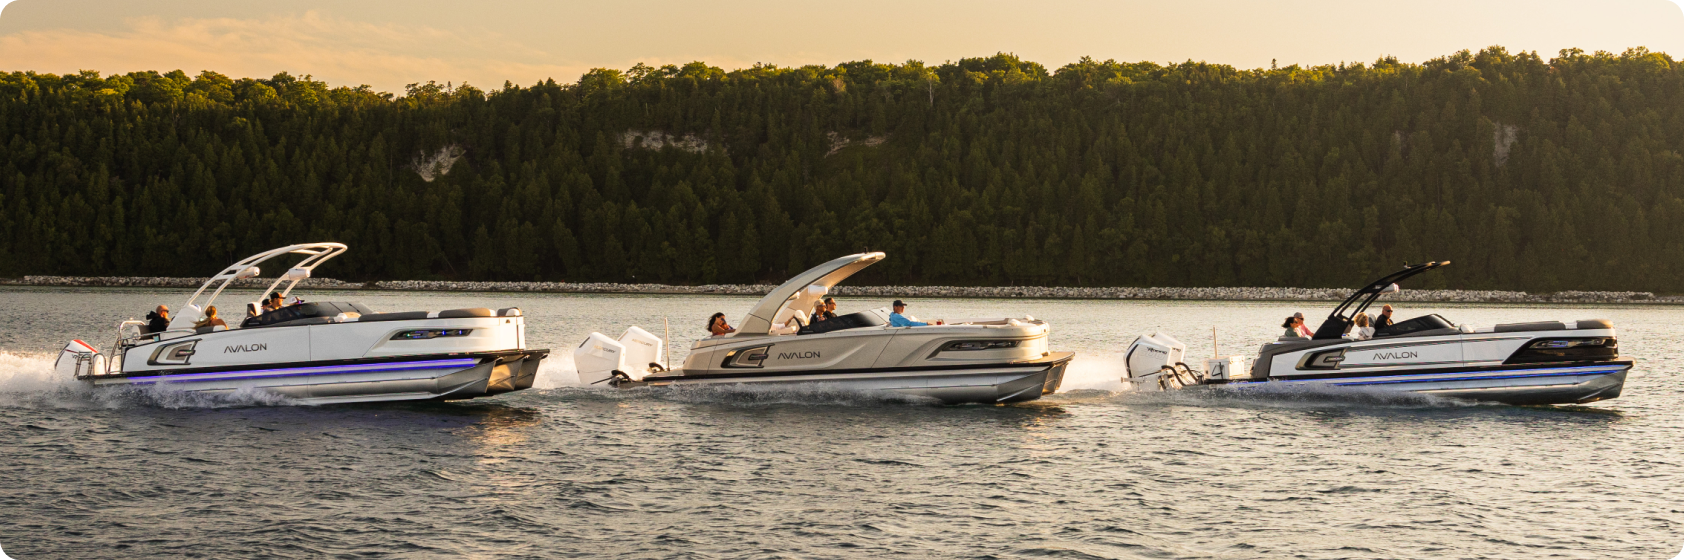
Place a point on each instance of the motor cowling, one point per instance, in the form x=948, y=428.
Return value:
x=598, y=358
x=642, y=352
x=79, y=359
x=1150, y=353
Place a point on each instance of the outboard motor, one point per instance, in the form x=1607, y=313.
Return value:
x=1155, y=361
x=78, y=360
x=1151, y=353
x=632, y=357
x=643, y=351
x=598, y=359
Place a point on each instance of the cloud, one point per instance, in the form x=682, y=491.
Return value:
x=339, y=51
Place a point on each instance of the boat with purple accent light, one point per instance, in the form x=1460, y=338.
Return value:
x=1547, y=362
x=316, y=352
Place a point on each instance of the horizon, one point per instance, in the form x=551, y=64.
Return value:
x=388, y=45
x=1050, y=69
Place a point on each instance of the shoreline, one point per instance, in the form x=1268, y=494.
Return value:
x=995, y=292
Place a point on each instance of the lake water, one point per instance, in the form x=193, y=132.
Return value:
x=1091, y=472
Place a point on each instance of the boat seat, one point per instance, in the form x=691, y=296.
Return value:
x=844, y=322
x=465, y=313
x=509, y=312
x=399, y=316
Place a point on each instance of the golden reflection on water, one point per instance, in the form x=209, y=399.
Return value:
x=502, y=427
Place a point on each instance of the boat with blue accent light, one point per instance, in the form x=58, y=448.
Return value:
x=315, y=352
x=1549, y=362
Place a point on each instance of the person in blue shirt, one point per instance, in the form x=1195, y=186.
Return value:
x=899, y=319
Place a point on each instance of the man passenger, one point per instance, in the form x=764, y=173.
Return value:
x=829, y=308
x=899, y=318
x=1385, y=318
x=273, y=303
x=158, y=320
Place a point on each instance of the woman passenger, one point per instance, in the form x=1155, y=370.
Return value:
x=717, y=325
x=1362, y=331
x=210, y=320
x=818, y=313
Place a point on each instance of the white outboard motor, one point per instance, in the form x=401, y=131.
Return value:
x=598, y=359
x=642, y=352
x=1150, y=353
x=79, y=359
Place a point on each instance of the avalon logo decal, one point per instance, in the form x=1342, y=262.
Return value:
x=177, y=354
x=1395, y=355
x=808, y=355
x=238, y=348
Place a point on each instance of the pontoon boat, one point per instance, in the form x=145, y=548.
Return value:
x=982, y=360
x=1548, y=362
x=317, y=352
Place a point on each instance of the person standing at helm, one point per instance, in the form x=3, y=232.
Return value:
x=899, y=318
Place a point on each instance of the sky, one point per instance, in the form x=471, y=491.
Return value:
x=390, y=43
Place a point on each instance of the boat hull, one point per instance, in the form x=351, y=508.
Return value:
x=983, y=383
x=447, y=377
x=1517, y=385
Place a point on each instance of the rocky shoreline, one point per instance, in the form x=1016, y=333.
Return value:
x=1030, y=292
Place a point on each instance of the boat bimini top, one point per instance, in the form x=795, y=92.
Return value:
x=315, y=255
x=1340, y=319
x=799, y=294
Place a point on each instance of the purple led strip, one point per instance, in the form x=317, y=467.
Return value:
x=318, y=370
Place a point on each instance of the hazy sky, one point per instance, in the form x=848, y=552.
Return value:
x=389, y=43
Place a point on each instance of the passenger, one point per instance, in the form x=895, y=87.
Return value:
x=1385, y=318
x=1302, y=330
x=899, y=318
x=1291, y=326
x=818, y=313
x=1362, y=330
x=829, y=308
x=797, y=319
x=210, y=320
x=158, y=320
x=274, y=302
x=717, y=326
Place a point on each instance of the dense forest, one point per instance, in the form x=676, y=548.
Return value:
x=1530, y=174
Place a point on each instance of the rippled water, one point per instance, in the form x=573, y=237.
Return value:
x=567, y=471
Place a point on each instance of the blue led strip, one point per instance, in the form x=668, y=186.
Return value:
x=318, y=370
x=1481, y=378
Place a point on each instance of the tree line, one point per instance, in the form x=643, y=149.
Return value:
x=1530, y=174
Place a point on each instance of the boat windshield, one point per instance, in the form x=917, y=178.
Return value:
x=1417, y=325
x=311, y=310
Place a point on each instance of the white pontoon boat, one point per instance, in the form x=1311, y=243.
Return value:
x=984, y=360
x=1550, y=362
x=318, y=352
